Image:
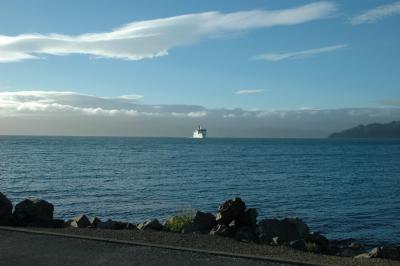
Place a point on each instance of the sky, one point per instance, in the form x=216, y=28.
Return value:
x=242, y=68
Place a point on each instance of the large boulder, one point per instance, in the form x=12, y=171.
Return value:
x=287, y=230
x=34, y=212
x=202, y=222
x=80, y=221
x=150, y=224
x=5, y=210
x=230, y=210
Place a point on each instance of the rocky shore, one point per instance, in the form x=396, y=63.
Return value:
x=233, y=220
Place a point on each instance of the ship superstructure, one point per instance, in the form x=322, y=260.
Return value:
x=200, y=133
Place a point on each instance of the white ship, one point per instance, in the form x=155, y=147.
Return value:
x=200, y=133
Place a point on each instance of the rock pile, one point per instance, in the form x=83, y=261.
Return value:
x=233, y=219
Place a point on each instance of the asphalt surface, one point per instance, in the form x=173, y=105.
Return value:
x=18, y=248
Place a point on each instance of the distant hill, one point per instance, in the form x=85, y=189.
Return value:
x=376, y=130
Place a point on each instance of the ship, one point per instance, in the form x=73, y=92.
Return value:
x=200, y=133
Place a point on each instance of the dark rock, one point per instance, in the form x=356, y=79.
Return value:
x=246, y=234
x=315, y=242
x=391, y=253
x=248, y=218
x=58, y=223
x=230, y=210
x=130, y=226
x=202, y=222
x=94, y=221
x=221, y=230
x=284, y=229
x=34, y=212
x=302, y=227
x=5, y=210
x=298, y=245
x=80, y=221
x=114, y=225
x=150, y=224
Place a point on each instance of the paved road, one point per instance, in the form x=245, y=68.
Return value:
x=18, y=248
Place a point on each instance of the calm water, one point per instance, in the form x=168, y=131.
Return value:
x=344, y=188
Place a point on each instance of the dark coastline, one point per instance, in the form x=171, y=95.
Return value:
x=372, y=131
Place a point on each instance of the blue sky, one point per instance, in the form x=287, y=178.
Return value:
x=209, y=71
x=255, y=68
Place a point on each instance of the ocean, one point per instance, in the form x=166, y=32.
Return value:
x=342, y=188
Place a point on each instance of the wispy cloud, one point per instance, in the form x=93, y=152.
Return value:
x=153, y=38
x=131, y=97
x=299, y=54
x=190, y=114
x=375, y=14
x=249, y=91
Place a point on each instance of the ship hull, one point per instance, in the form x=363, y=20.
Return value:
x=199, y=136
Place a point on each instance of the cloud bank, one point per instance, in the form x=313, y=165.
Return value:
x=154, y=38
x=70, y=113
x=26, y=103
x=299, y=54
x=378, y=13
